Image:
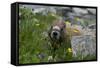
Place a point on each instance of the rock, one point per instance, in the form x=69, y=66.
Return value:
x=89, y=17
x=83, y=46
x=80, y=10
x=40, y=9
x=92, y=26
x=91, y=11
x=74, y=14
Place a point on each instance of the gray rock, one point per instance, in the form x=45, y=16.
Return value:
x=89, y=16
x=83, y=46
x=91, y=10
x=92, y=26
x=80, y=10
x=74, y=14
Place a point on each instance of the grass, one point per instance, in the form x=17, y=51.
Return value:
x=34, y=45
x=32, y=40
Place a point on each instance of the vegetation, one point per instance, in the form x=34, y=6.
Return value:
x=34, y=45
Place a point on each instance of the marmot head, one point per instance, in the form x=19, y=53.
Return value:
x=57, y=30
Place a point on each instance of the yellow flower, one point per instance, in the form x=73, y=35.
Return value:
x=69, y=50
x=37, y=24
x=67, y=23
x=53, y=14
x=77, y=19
x=75, y=30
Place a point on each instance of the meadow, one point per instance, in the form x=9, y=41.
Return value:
x=34, y=44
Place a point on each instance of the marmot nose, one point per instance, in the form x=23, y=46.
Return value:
x=54, y=33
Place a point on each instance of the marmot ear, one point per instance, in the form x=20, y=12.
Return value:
x=64, y=25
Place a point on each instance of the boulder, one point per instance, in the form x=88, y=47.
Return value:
x=91, y=11
x=83, y=46
x=80, y=10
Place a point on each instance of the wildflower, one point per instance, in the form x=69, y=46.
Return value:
x=69, y=50
x=52, y=14
x=36, y=20
x=67, y=23
x=75, y=30
x=37, y=24
x=77, y=19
